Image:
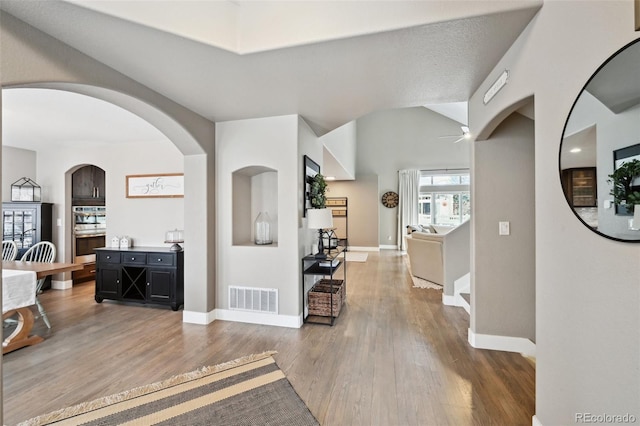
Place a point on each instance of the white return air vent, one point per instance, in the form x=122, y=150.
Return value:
x=263, y=300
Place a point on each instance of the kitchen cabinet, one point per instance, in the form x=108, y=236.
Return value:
x=88, y=186
x=146, y=275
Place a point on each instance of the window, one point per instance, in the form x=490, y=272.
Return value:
x=444, y=199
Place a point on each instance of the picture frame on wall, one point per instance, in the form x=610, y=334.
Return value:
x=310, y=169
x=164, y=185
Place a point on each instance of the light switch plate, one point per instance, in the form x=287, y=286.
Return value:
x=503, y=228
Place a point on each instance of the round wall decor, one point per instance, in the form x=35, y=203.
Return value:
x=390, y=199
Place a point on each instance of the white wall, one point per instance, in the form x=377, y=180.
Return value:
x=587, y=286
x=16, y=163
x=407, y=138
x=145, y=220
x=362, y=198
x=272, y=143
x=503, y=276
x=342, y=146
x=311, y=146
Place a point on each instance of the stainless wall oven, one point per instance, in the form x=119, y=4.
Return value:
x=89, y=232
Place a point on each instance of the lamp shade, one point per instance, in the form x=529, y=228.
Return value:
x=319, y=219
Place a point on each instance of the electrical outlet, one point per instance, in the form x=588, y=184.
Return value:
x=504, y=228
x=59, y=222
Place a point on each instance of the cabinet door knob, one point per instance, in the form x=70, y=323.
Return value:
x=159, y=260
x=148, y=284
x=108, y=257
x=117, y=281
x=133, y=258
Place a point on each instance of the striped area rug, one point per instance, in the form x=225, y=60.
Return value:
x=247, y=391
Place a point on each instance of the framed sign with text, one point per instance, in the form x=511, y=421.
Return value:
x=167, y=185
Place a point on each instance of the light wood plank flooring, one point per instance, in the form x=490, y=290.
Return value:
x=395, y=356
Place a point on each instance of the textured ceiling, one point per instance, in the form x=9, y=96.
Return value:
x=328, y=83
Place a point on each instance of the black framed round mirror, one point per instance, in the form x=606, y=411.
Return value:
x=599, y=158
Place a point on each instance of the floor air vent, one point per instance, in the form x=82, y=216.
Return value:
x=263, y=300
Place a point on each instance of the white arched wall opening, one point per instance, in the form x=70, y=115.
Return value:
x=494, y=122
x=198, y=198
x=503, y=265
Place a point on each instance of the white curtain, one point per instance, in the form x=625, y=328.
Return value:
x=409, y=193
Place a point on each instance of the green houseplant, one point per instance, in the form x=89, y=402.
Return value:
x=624, y=193
x=317, y=189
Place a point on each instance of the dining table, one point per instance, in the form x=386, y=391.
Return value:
x=19, y=283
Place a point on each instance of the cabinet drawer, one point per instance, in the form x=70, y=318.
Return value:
x=134, y=258
x=108, y=257
x=160, y=259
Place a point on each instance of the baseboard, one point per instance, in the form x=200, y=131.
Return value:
x=289, y=321
x=456, y=300
x=461, y=284
x=449, y=300
x=502, y=343
x=388, y=247
x=356, y=248
x=202, y=318
x=463, y=303
x=535, y=421
x=61, y=285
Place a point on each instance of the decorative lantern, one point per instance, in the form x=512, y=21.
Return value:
x=262, y=229
x=329, y=239
x=25, y=189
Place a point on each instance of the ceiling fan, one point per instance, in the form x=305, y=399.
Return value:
x=465, y=135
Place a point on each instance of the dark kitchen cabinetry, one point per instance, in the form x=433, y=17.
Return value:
x=140, y=274
x=88, y=186
x=27, y=223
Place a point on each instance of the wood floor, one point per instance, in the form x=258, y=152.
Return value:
x=395, y=356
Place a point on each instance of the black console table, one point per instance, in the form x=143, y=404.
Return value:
x=148, y=275
x=324, y=300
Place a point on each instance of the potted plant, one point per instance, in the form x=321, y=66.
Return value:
x=317, y=189
x=624, y=192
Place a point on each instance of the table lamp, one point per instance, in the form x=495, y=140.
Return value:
x=319, y=219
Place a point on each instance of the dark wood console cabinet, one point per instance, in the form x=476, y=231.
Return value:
x=148, y=275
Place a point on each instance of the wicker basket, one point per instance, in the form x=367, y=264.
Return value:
x=320, y=298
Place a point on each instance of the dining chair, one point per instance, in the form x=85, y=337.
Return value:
x=44, y=251
x=9, y=250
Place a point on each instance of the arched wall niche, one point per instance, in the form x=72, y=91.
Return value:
x=255, y=190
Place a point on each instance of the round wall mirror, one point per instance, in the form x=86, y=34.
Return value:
x=600, y=149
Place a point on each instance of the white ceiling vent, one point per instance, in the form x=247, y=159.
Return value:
x=264, y=300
